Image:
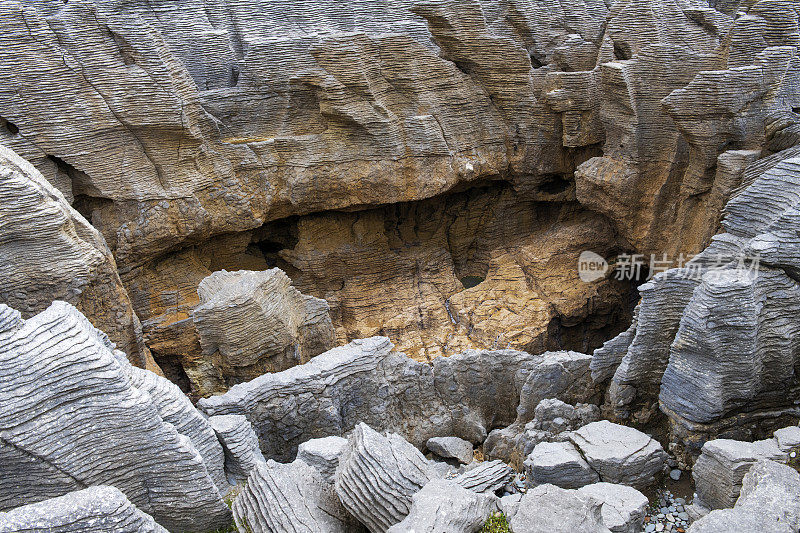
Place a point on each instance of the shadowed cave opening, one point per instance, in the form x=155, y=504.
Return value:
x=9, y=126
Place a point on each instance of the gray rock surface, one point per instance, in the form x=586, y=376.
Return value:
x=71, y=417
x=722, y=465
x=378, y=476
x=323, y=454
x=51, y=252
x=620, y=454
x=257, y=322
x=624, y=508
x=239, y=443
x=451, y=448
x=548, y=508
x=446, y=507
x=293, y=497
x=560, y=464
x=365, y=381
x=99, y=509
x=488, y=476
x=768, y=502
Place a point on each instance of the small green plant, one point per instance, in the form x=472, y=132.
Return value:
x=497, y=523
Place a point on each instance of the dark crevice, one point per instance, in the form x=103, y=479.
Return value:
x=173, y=371
x=234, y=80
x=536, y=62
x=555, y=184
x=622, y=51
x=9, y=126
x=272, y=238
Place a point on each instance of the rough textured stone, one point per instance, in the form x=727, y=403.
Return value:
x=768, y=502
x=99, y=509
x=488, y=476
x=445, y=506
x=257, y=322
x=290, y=497
x=240, y=444
x=72, y=417
x=378, y=476
x=560, y=464
x=50, y=252
x=323, y=454
x=722, y=465
x=451, y=448
x=365, y=381
x=623, y=508
x=620, y=454
x=548, y=508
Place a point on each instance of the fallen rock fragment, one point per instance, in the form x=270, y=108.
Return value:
x=451, y=448
x=378, y=476
x=323, y=454
x=488, y=476
x=446, y=507
x=548, y=508
x=624, y=508
x=560, y=464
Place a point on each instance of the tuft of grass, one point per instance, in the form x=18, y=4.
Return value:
x=497, y=523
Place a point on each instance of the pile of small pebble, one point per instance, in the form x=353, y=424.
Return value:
x=669, y=515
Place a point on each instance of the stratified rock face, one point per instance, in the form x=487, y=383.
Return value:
x=50, y=252
x=323, y=454
x=100, y=509
x=378, y=476
x=768, y=503
x=365, y=381
x=239, y=441
x=288, y=498
x=444, y=506
x=250, y=323
x=560, y=464
x=199, y=136
x=71, y=417
x=548, y=508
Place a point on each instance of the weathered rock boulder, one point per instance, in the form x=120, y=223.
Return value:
x=444, y=506
x=240, y=444
x=378, y=476
x=620, y=454
x=624, y=508
x=72, y=416
x=560, y=464
x=489, y=477
x=548, y=508
x=451, y=448
x=251, y=323
x=365, y=381
x=323, y=454
x=282, y=498
x=50, y=252
x=99, y=509
x=768, y=502
x=722, y=465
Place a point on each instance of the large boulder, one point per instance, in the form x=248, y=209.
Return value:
x=284, y=498
x=72, y=416
x=620, y=454
x=548, y=508
x=257, y=322
x=768, y=502
x=624, y=508
x=560, y=464
x=99, y=509
x=451, y=448
x=378, y=476
x=722, y=465
x=444, y=506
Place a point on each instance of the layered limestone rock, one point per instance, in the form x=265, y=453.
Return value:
x=50, y=252
x=240, y=444
x=283, y=498
x=550, y=508
x=75, y=414
x=197, y=137
x=99, y=509
x=378, y=476
x=487, y=477
x=365, y=381
x=250, y=323
x=446, y=506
